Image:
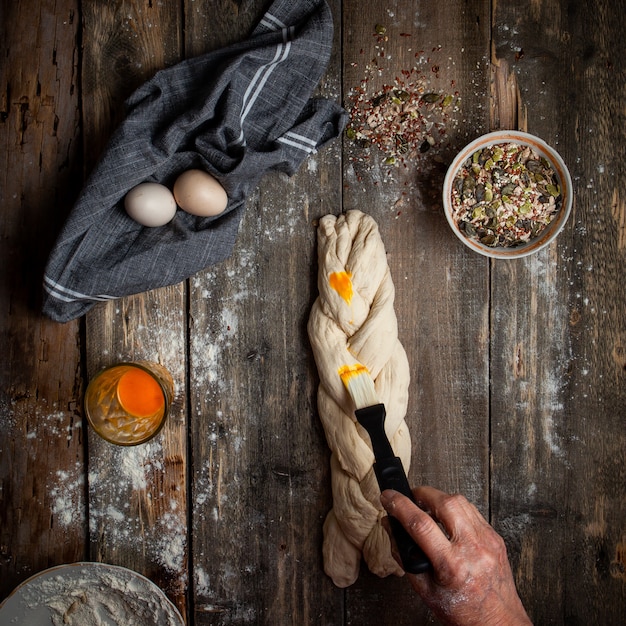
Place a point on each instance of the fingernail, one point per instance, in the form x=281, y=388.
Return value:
x=386, y=499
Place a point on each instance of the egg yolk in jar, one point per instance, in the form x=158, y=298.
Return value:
x=139, y=393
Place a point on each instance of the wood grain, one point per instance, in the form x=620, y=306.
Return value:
x=259, y=458
x=558, y=374
x=125, y=43
x=41, y=435
x=137, y=495
x=442, y=292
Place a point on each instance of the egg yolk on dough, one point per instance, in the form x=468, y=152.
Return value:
x=139, y=393
x=341, y=282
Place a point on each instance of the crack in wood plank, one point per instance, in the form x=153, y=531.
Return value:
x=618, y=211
x=507, y=110
x=618, y=565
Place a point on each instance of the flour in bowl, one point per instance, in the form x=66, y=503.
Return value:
x=91, y=594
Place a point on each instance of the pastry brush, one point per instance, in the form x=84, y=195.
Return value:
x=370, y=413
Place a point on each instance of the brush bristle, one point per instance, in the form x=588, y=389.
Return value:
x=360, y=385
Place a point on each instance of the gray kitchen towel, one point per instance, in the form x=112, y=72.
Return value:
x=237, y=113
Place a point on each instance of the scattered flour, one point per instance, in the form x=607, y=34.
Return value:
x=66, y=491
x=202, y=581
x=549, y=388
x=171, y=541
x=161, y=533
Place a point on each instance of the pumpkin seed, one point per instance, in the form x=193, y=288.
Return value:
x=469, y=184
x=431, y=98
x=478, y=212
x=379, y=99
x=469, y=229
x=533, y=166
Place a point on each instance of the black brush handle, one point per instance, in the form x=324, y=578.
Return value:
x=390, y=475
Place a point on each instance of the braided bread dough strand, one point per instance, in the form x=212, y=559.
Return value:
x=353, y=321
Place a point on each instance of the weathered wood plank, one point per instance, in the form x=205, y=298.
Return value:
x=124, y=44
x=442, y=292
x=137, y=495
x=41, y=439
x=558, y=365
x=214, y=25
x=260, y=481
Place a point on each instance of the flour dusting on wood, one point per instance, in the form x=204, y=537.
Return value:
x=161, y=531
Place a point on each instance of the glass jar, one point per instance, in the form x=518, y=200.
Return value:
x=127, y=403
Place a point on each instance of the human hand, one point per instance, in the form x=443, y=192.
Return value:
x=471, y=581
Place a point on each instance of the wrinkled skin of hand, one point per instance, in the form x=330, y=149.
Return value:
x=471, y=582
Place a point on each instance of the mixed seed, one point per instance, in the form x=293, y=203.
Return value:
x=395, y=120
x=505, y=195
x=403, y=119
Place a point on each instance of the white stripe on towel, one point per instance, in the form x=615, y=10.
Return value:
x=261, y=77
x=69, y=295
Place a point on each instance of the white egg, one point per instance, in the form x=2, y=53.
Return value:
x=150, y=204
x=200, y=194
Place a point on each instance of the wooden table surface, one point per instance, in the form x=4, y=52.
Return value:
x=517, y=396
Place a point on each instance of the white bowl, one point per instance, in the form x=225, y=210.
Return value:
x=547, y=235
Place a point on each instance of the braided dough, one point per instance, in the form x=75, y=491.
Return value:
x=353, y=321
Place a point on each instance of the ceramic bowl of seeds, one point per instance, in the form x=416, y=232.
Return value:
x=507, y=194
